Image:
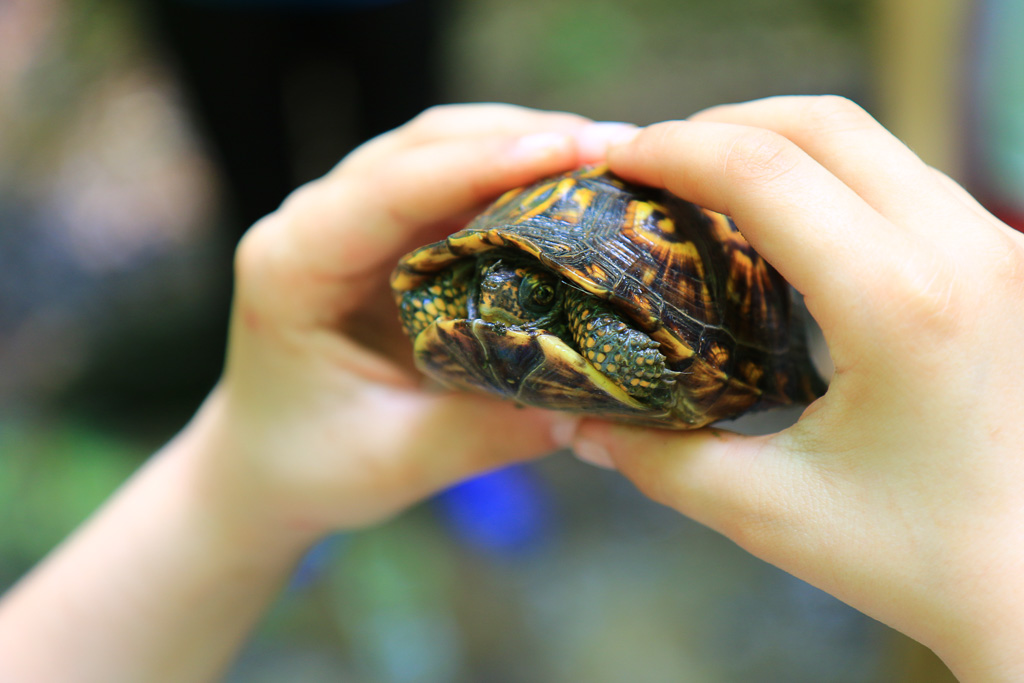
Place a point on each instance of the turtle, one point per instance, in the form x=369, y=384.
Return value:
x=587, y=293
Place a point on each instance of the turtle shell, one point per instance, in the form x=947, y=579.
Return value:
x=723, y=317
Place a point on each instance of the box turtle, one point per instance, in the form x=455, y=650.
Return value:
x=589, y=294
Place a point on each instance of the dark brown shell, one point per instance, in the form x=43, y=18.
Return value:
x=684, y=275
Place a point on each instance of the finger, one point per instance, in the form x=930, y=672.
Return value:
x=467, y=426
x=341, y=226
x=488, y=118
x=730, y=483
x=479, y=120
x=850, y=143
x=795, y=212
x=394, y=448
x=373, y=217
x=467, y=120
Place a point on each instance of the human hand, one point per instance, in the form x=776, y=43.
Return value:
x=319, y=422
x=899, y=490
x=320, y=419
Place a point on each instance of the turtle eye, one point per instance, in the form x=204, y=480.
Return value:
x=537, y=293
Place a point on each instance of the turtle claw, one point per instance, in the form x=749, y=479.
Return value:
x=668, y=377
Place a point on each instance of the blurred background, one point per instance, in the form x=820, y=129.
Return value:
x=139, y=138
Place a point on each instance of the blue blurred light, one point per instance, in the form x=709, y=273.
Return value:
x=507, y=513
x=315, y=562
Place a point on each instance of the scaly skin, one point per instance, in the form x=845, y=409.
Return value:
x=609, y=341
x=625, y=354
x=443, y=297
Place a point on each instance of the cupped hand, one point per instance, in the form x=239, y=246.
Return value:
x=320, y=420
x=899, y=491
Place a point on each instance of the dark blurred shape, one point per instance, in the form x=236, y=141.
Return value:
x=283, y=90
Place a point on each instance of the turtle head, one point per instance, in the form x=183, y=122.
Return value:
x=502, y=288
x=501, y=323
x=516, y=292
x=504, y=323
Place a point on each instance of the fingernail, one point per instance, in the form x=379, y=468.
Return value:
x=594, y=454
x=595, y=139
x=563, y=429
x=542, y=144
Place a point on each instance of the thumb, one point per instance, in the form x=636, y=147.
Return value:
x=479, y=433
x=740, y=486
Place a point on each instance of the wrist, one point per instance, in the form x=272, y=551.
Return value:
x=178, y=572
x=230, y=493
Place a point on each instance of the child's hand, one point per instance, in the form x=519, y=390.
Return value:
x=900, y=490
x=318, y=423
x=320, y=420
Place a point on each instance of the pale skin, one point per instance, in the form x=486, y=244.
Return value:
x=897, y=491
x=318, y=423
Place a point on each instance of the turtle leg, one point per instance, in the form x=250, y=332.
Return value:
x=443, y=297
x=629, y=357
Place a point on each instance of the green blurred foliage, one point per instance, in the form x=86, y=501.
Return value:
x=52, y=476
x=568, y=33
x=651, y=60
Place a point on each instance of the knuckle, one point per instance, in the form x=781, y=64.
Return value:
x=1009, y=261
x=760, y=156
x=263, y=251
x=442, y=119
x=926, y=295
x=432, y=116
x=939, y=292
x=252, y=253
x=1000, y=277
x=835, y=114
